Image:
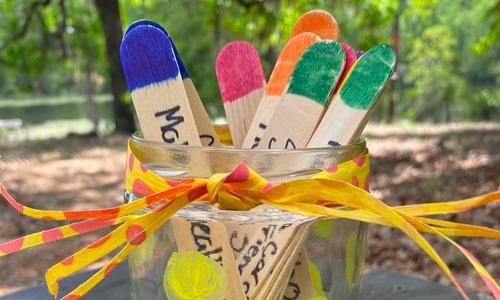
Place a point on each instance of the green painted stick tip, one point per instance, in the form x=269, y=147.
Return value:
x=317, y=71
x=368, y=77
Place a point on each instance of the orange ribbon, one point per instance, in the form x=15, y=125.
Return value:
x=243, y=189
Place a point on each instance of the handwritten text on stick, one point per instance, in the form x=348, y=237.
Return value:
x=173, y=121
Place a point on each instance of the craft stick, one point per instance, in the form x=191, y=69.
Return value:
x=276, y=86
x=144, y=22
x=300, y=286
x=241, y=82
x=156, y=88
x=241, y=234
x=352, y=106
x=319, y=22
x=359, y=54
x=315, y=76
x=210, y=239
x=275, y=284
x=204, y=126
x=264, y=250
x=350, y=58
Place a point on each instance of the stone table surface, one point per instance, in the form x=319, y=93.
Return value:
x=380, y=284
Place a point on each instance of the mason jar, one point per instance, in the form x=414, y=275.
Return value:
x=264, y=253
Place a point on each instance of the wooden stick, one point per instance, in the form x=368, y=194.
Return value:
x=278, y=279
x=266, y=247
x=350, y=58
x=351, y=108
x=276, y=86
x=241, y=82
x=309, y=88
x=210, y=239
x=156, y=88
x=319, y=22
x=204, y=126
x=300, y=286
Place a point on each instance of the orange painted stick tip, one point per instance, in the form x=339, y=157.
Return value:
x=286, y=62
x=319, y=22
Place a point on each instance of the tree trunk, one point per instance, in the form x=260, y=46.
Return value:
x=272, y=57
x=109, y=13
x=90, y=106
x=389, y=113
x=393, y=85
x=217, y=32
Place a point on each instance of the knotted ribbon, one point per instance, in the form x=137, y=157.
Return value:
x=243, y=189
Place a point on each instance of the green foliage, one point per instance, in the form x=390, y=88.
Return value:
x=433, y=72
x=43, y=63
x=494, y=35
x=441, y=75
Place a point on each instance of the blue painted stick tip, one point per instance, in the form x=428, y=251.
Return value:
x=145, y=22
x=147, y=57
x=182, y=68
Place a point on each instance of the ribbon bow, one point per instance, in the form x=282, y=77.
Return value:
x=243, y=189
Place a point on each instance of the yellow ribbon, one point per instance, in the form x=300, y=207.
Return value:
x=243, y=189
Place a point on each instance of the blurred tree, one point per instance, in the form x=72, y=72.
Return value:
x=494, y=33
x=432, y=69
x=109, y=12
x=63, y=43
x=31, y=61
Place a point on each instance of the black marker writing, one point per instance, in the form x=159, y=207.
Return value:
x=172, y=122
x=288, y=143
x=256, y=142
x=270, y=142
x=333, y=143
x=203, y=241
x=257, y=139
x=206, y=136
x=234, y=236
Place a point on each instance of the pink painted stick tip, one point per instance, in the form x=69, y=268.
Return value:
x=238, y=70
x=350, y=58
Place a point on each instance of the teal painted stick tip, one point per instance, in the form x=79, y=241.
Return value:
x=369, y=77
x=317, y=71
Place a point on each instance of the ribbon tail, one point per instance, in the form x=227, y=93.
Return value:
x=135, y=241
x=113, y=212
x=449, y=207
x=490, y=282
x=59, y=233
x=458, y=229
x=136, y=230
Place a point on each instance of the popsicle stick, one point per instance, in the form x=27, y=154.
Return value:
x=265, y=249
x=351, y=108
x=275, y=284
x=241, y=234
x=319, y=22
x=359, y=54
x=300, y=286
x=156, y=87
x=210, y=239
x=144, y=22
x=315, y=76
x=241, y=82
x=276, y=86
x=350, y=58
x=204, y=126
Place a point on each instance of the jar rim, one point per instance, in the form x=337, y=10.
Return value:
x=137, y=138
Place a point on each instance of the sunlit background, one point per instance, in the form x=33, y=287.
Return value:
x=57, y=67
x=66, y=112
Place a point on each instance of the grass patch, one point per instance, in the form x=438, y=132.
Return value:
x=52, y=100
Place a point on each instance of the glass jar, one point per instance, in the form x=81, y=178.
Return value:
x=266, y=253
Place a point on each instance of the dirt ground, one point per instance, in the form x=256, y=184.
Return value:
x=409, y=165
